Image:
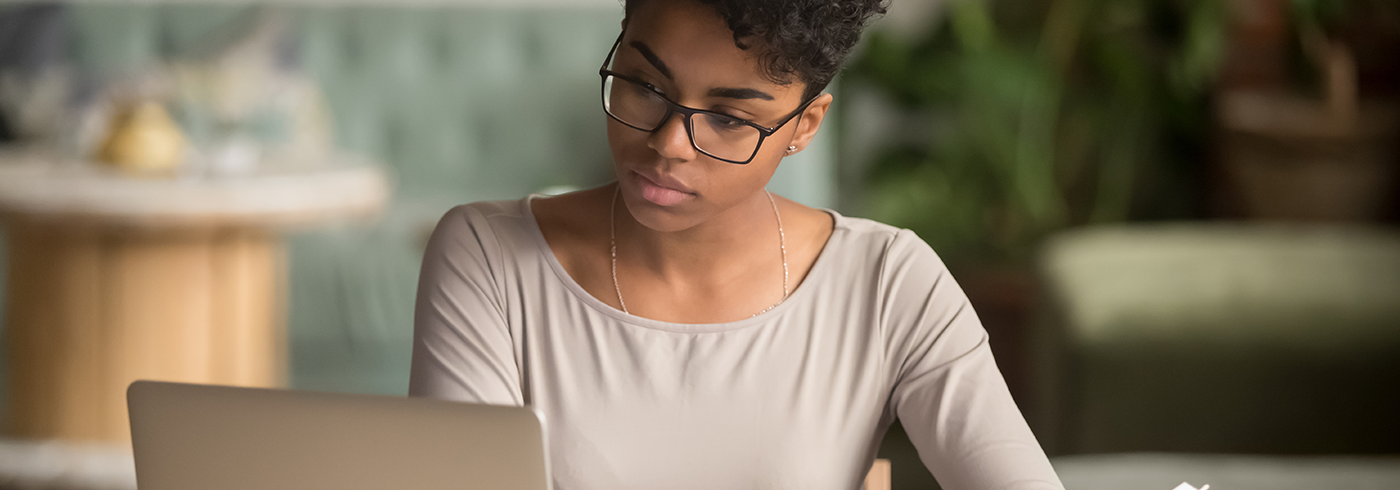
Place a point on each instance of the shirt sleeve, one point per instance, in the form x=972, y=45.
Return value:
x=463, y=347
x=948, y=392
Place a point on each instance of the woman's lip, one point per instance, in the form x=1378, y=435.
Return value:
x=664, y=183
x=659, y=194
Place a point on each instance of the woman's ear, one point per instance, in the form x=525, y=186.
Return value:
x=810, y=121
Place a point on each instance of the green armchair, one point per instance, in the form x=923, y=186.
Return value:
x=1274, y=339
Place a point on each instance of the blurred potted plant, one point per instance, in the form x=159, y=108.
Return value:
x=1017, y=119
x=1308, y=147
x=1033, y=116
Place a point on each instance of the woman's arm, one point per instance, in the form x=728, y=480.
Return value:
x=463, y=347
x=948, y=393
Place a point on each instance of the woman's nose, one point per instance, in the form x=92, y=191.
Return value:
x=671, y=140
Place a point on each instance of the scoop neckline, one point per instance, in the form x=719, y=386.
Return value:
x=814, y=275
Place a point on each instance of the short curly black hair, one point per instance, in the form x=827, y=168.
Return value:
x=806, y=40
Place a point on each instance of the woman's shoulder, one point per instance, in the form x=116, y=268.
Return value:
x=865, y=229
x=892, y=245
x=517, y=216
x=482, y=228
x=483, y=212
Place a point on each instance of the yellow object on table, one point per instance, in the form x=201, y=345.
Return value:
x=143, y=138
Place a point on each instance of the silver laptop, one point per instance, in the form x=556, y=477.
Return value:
x=188, y=436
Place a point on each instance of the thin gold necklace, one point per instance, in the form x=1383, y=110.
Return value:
x=612, y=238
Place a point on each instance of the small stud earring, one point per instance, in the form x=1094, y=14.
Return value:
x=791, y=149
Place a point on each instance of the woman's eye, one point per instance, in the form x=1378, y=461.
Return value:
x=721, y=121
x=738, y=120
x=652, y=88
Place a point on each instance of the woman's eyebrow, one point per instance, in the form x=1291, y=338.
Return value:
x=728, y=93
x=651, y=58
x=740, y=93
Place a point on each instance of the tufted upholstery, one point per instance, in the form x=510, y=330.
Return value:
x=1224, y=338
x=464, y=102
x=473, y=101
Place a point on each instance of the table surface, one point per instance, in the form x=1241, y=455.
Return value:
x=35, y=186
x=1147, y=471
x=30, y=464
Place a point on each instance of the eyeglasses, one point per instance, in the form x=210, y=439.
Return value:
x=640, y=106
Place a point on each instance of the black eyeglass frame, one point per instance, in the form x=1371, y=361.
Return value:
x=686, y=112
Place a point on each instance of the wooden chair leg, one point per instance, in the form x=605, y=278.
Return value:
x=879, y=476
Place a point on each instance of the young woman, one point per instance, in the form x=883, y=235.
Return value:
x=685, y=328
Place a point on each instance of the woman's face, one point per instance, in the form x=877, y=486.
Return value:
x=687, y=52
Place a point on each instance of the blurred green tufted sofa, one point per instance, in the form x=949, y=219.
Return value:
x=463, y=101
x=1222, y=338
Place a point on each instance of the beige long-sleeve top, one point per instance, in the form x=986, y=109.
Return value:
x=795, y=398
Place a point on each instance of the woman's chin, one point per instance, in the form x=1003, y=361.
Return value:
x=660, y=218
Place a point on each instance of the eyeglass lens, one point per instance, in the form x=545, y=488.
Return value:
x=719, y=136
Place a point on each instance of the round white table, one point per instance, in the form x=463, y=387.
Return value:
x=114, y=278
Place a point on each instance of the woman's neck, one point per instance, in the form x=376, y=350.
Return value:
x=721, y=247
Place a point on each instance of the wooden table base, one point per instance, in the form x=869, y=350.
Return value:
x=90, y=310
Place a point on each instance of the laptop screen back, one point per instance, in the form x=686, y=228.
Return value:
x=214, y=438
